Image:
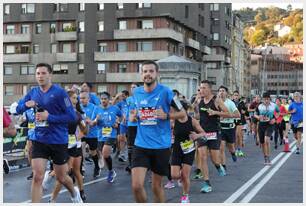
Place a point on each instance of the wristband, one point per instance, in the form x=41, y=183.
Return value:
x=168, y=116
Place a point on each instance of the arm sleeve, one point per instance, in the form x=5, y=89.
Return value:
x=21, y=108
x=68, y=113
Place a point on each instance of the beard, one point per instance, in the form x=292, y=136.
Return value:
x=150, y=83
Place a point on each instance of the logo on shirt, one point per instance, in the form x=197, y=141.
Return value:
x=144, y=101
x=67, y=102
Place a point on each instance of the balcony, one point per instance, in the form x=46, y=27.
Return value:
x=214, y=58
x=66, y=36
x=16, y=58
x=130, y=56
x=193, y=43
x=148, y=34
x=123, y=77
x=205, y=49
x=66, y=57
x=14, y=38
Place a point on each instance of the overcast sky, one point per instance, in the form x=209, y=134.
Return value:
x=237, y=6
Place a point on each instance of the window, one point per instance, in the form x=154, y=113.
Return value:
x=53, y=48
x=122, y=25
x=201, y=21
x=25, y=49
x=9, y=49
x=35, y=48
x=144, y=46
x=52, y=27
x=81, y=47
x=61, y=7
x=186, y=12
x=102, y=47
x=201, y=6
x=101, y=68
x=121, y=47
x=120, y=6
x=214, y=7
x=213, y=80
x=143, y=5
x=66, y=26
x=67, y=48
x=8, y=70
x=81, y=69
x=101, y=88
x=101, y=26
x=122, y=68
x=211, y=65
x=10, y=29
x=120, y=88
x=6, y=9
x=9, y=90
x=81, y=26
x=215, y=36
x=101, y=7
x=145, y=24
x=25, y=28
x=81, y=6
x=27, y=69
x=38, y=28
x=60, y=69
x=27, y=8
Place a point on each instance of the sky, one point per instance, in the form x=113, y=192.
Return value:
x=237, y=6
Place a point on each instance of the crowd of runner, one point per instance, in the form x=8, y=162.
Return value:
x=149, y=128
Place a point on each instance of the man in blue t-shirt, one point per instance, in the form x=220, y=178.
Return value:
x=108, y=115
x=296, y=111
x=53, y=111
x=154, y=106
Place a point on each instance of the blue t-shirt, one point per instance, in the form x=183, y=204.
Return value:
x=56, y=101
x=130, y=105
x=91, y=111
x=267, y=111
x=107, y=120
x=93, y=98
x=30, y=116
x=153, y=133
x=297, y=116
x=122, y=105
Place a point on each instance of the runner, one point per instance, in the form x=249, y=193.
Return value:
x=286, y=118
x=265, y=115
x=54, y=111
x=296, y=111
x=280, y=123
x=240, y=122
x=91, y=114
x=153, y=140
x=209, y=114
x=87, y=87
x=183, y=150
x=108, y=115
x=252, y=108
x=76, y=131
x=228, y=126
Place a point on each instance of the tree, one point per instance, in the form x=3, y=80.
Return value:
x=258, y=37
x=289, y=8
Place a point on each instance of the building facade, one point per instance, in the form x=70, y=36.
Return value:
x=105, y=43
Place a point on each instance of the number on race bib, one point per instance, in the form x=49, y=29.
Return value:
x=187, y=146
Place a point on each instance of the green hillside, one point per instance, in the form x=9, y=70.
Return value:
x=259, y=25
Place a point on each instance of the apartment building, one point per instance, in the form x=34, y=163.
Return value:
x=105, y=43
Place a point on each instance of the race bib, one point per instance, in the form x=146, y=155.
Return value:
x=148, y=116
x=204, y=109
x=300, y=125
x=41, y=124
x=31, y=125
x=107, y=131
x=211, y=135
x=187, y=146
x=71, y=141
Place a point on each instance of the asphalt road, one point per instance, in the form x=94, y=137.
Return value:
x=248, y=180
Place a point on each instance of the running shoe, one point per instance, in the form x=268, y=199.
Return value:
x=179, y=183
x=122, y=158
x=234, y=157
x=221, y=171
x=240, y=153
x=206, y=188
x=111, y=176
x=30, y=176
x=96, y=172
x=197, y=176
x=6, y=166
x=267, y=161
x=297, y=151
x=83, y=196
x=47, y=180
x=170, y=184
x=185, y=199
x=77, y=197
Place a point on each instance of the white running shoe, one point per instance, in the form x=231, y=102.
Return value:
x=47, y=180
x=101, y=162
x=77, y=197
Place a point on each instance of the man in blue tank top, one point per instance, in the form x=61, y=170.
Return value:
x=53, y=112
x=154, y=106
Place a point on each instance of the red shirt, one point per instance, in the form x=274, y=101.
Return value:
x=279, y=119
x=6, y=119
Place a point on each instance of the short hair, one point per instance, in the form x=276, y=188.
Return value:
x=297, y=94
x=126, y=92
x=223, y=87
x=88, y=84
x=266, y=95
x=87, y=94
x=176, y=92
x=150, y=62
x=105, y=94
x=207, y=82
x=236, y=91
x=48, y=66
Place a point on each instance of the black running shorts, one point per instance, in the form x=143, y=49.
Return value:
x=92, y=142
x=178, y=157
x=264, y=130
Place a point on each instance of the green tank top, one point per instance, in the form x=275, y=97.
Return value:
x=287, y=116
